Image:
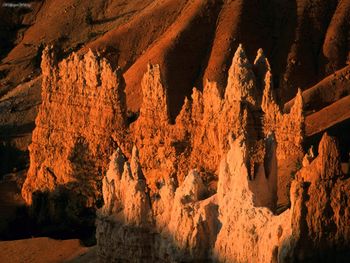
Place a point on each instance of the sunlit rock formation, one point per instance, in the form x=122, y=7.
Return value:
x=83, y=102
x=221, y=182
x=83, y=117
x=259, y=232
x=288, y=129
x=82, y=106
x=178, y=225
x=228, y=226
x=186, y=218
x=207, y=118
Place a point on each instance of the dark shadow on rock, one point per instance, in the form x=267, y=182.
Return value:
x=186, y=58
x=59, y=214
x=328, y=255
x=10, y=25
x=283, y=36
x=142, y=245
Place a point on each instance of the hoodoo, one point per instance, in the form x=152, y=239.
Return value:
x=220, y=173
x=175, y=131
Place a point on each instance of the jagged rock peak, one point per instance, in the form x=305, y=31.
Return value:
x=262, y=70
x=154, y=104
x=185, y=112
x=49, y=70
x=211, y=96
x=82, y=107
x=91, y=64
x=297, y=109
x=104, y=76
x=241, y=83
x=296, y=117
x=85, y=70
x=261, y=63
x=135, y=199
x=197, y=102
x=268, y=97
x=329, y=155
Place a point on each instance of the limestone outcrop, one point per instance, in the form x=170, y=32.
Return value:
x=259, y=232
x=316, y=225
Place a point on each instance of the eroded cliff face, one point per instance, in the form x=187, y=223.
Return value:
x=210, y=185
x=82, y=118
x=192, y=218
x=197, y=139
x=71, y=144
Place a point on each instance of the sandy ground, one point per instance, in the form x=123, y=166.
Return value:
x=45, y=250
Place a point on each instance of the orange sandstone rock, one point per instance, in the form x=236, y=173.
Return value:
x=83, y=116
x=81, y=109
x=167, y=198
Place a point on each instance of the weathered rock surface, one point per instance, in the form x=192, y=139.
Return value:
x=228, y=226
x=178, y=224
x=207, y=186
x=83, y=116
x=72, y=140
x=322, y=225
x=192, y=41
x=199, y=130
x=259, y=232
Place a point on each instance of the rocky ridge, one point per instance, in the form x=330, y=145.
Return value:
x=83, y=114
x=166, y=198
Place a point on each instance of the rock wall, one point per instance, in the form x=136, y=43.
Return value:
x=133, y=228
x=287, y=129
x=71, y=144
x=198, y=137
x=83, y=117
x=259, y=232
x=205, y=187
x=193, y=220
